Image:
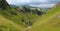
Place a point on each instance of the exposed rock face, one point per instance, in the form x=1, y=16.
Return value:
x=3, y=4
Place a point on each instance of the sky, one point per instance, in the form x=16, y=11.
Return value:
x=33, y=2
x=44, y=5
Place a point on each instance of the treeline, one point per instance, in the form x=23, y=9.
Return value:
x=27, y=10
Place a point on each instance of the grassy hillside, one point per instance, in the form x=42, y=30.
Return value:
x=49, y=21
x=13, y=19
x=17, y=17
x=7, y=25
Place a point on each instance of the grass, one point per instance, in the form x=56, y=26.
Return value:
x=11, y=22
x=42, y=24
x=17, y=18
x=7, y=25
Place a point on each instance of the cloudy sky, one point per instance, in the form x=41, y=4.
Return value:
x=31, y=1
x=34, y=2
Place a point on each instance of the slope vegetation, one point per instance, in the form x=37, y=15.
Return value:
x=13, y=20
x=49, y=21
x=7, y=25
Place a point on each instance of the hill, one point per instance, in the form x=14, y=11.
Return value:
x=13, y=20
x=49, y=21
x=4, y=4
x=7, y=25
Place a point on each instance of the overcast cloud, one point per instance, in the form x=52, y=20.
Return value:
x=32, y=2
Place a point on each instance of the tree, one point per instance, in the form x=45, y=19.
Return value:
x=39, y=12
x=26, y=9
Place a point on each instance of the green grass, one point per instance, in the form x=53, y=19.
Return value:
x=48, y=21
x=13, y=22
x=7, y=25
x=17, y=18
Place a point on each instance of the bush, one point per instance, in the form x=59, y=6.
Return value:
x=39, y=12
x=22, y=19
x=13, y=12
x=26, y=9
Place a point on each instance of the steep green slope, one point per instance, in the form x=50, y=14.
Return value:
x=17, y=17
x=7, y=25
x=48, y=22
x=12, y=20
